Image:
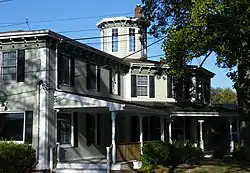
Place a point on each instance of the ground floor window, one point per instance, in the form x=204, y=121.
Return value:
x=16, y=127
x=64, y=128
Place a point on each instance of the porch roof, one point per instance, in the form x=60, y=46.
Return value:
x=75, y=100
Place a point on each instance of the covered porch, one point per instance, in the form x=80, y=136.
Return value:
x=92, y=131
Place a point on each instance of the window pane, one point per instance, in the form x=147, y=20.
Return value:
x=142, y=85
x=64, y=69
x=9, y=73
x=9, y=59
x=9, y=66
x=92, y=72
x=11, y=126
x=115, y=40
x=64, y=128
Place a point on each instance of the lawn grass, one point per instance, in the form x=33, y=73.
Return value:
x=207, y=166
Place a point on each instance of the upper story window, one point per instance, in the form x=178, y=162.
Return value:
x=115, y=40
x=131, y=39
x=66, y=70
x=12, y=66
x=93, y=77
x=143, y=85
x=114, y=85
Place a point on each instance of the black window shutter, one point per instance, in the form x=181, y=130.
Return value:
x=75, y=122
x=133, y=86
x=110, y=81
x=151, y=86
x=59, y=69
x=169, y=87
x=98, y=129
x=119, y=82
x=72, y=71
x=88, y=76
x=28, y=127
x=20, y=65
x=98, y=76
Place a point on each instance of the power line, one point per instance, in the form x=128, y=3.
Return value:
x=63, y=19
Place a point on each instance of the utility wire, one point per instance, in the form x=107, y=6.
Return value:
x=66, y=19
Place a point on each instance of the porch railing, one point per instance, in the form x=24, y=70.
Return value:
x=54, y=156
x=128, y=151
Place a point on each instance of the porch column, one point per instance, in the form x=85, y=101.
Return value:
x=231, y=136
x=170, y=131
x=113, y=117
x=162, y=119
x=141, y=131
x=201, y=135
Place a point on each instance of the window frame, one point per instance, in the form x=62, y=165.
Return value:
x=2, y=66
x=24, y=125
x=114, y=41
x=147, y=96
x=70, y=75
x=71, y=130
x=129, y=50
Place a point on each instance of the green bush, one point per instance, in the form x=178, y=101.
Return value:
x=191, y=155
x=16, y=158
x=219, y=152
x=156, y=153
x=240, y=154
x=165, y=154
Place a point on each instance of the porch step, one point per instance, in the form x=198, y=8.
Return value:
x=81, y=167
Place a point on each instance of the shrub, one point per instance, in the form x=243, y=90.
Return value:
x=156, y=152
x=240, y=154
x=219, y=152
x=192, y=155
x=165, y=154
x=16, y=158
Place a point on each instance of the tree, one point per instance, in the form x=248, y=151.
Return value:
x=199, y=28
x=223, y=96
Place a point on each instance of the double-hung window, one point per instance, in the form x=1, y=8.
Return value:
x=12, y=66
x=142, y=85
x=131, y=39
x=115, y=40
x=9, y=66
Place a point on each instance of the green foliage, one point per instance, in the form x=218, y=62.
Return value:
x=223, y=96
x=199, y=28
x=219, y=152
x=16, y=158
x=165, y=154
x=240, y=154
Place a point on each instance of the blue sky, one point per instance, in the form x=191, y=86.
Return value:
x=84, y=14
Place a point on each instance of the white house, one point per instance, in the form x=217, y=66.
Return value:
x=80, y=103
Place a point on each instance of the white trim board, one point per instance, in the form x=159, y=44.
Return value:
x=91, y=102
x=204, y=114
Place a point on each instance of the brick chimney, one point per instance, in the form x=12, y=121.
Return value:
x=138, y=11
